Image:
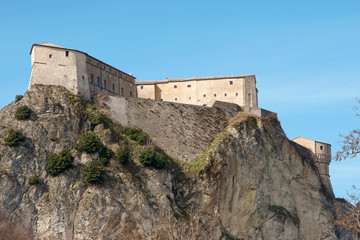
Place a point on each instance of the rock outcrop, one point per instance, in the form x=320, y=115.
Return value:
x=251, y=182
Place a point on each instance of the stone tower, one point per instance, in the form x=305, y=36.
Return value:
x=322, y=153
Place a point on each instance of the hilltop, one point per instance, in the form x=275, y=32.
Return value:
x=218, y=173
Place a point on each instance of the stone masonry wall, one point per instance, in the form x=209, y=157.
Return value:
x=183, y=131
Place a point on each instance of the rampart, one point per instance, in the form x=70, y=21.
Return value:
x=183, y=131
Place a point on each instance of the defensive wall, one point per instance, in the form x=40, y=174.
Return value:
x=239, y=89
x=78, y=72
x=183, y=131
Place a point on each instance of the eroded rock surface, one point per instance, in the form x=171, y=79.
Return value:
x=250, y=183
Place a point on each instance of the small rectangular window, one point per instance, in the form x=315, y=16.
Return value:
x=204, y=95
x=141, y=87
x=131, y=94
x=104, y=83
x=67, y=53
x=98, y=81
x=175, y=86
x=189, y=98
x=92, y=78
x=83, y=78
x=321, y=147
x=225, y=94
x=175, y=99
x=236, y=94
x=113, y=87
x=50, y=55
x=214, y=95
x=122, y=91
x=189, y=85
x=231, y=82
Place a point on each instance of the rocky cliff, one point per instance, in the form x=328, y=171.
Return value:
x=250, y=182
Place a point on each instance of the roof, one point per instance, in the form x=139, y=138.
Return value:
x=47, y=44
x=311, y=140
x=192, y=79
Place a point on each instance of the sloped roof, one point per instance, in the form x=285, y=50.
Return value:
x=310, y=140
x=191, y=79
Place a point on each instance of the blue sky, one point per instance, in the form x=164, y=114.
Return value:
x=305, y=54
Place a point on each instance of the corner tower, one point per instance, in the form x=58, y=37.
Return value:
x=322, y=153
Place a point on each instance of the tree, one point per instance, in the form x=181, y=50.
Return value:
x=348, y=212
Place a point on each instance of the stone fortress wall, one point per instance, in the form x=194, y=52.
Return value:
x=238, y=89
x=78, y=72
x=84, y=75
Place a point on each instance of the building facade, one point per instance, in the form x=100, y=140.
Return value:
x=78, y=72
x=239, y=89
x=322, y=152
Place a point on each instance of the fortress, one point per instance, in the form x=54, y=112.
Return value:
x=86, y=76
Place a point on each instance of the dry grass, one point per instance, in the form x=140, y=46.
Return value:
x=13, y=229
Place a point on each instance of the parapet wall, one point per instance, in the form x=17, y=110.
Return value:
x=183, y=131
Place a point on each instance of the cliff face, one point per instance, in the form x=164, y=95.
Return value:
x=250, y=183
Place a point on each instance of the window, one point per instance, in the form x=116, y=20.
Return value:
x=97, y=64
x=189, y=85
x=141, y=87
x=92, y=78
x=214, y=95
x=104, y=83
x=231, y=82
x=321, y=147
x=175, y=99
x=204, y=95
x=113, y=87
x=236, y=94
x=225, y=94
x=189, y=98
x=98, y=81
x=67, y=53
x=122, y=91
x=109, y=69
x=50, y=55
x=131, y=94
x=175, y=86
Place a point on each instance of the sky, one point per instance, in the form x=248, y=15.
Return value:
x=305, y=54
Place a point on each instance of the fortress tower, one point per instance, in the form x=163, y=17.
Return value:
x=322, y=152
x=78, y=72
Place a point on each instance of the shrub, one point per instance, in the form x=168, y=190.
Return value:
x=22, y=113
x=93, y=172
x=122, y=155
x=136, y=134
x=89, y=143
x=152, y=158
x=14, y=138
x=33, y=180
x=18, y=98
x=57, y=163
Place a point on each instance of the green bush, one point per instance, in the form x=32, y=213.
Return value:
x=89, y=143
x=22, y=113
x=33, y=180
x=14, y=138
x=18, y=98
x=136, y=134
x=93, y=172
x=57, y=163
x=152, y=158
x=123, y=155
